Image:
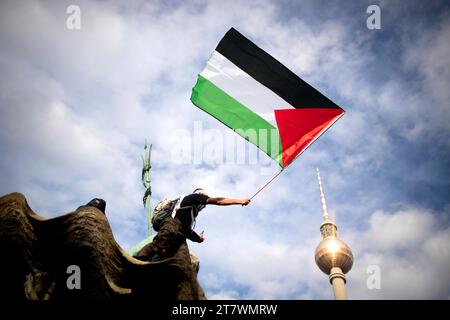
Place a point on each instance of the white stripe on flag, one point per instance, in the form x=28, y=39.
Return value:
x=238, y=84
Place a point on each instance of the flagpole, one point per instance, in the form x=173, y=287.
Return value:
x=267, y=183
x=273, y=178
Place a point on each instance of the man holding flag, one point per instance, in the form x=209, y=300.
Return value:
x=174, y=230
x=247, y=89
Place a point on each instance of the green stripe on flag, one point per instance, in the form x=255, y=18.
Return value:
x=238, y=117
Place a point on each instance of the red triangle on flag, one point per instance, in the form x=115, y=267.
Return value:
x=298, y=128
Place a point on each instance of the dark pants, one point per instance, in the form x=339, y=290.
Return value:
x=166, y=243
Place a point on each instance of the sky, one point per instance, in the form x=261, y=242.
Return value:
x=76, y=105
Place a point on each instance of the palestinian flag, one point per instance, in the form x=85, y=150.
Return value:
x=255, y=95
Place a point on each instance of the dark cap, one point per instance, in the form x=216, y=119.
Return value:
x=98, y=203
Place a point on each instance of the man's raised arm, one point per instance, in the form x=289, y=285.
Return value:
x=227, y=201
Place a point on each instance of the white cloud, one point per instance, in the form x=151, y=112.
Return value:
x=429, y=55
x=224, y=295
x=412, y=250
x=402, y=230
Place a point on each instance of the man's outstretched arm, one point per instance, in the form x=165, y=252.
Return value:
x=227, y=201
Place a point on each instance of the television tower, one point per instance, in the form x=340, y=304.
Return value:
x=333, y=256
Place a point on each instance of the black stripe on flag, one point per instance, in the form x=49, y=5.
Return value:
x=270, y=72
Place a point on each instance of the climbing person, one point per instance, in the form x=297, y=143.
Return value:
x=178, y=225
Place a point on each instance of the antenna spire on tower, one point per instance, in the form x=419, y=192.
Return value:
x=322, y=198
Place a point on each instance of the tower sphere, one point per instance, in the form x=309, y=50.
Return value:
x=333, y=252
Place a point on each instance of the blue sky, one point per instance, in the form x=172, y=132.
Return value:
x=77, y=105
